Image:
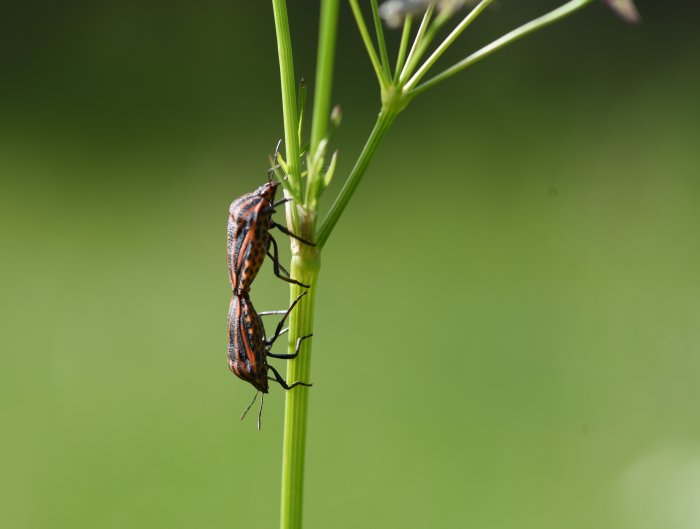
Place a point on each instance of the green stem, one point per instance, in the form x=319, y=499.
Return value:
x=532, y=26
x=289, y=98
x=403, y=47
x=384, y=121
x=364, y=33
x=324, y=71
x=305, y=267
x=381, y=42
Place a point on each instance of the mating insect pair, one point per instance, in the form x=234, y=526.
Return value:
x=249, y=241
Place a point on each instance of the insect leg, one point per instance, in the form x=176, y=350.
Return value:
x=284, y=384
x=278, y=330
x=284, y=230
x=283, y=331
x=284, y=270
x=296, y=349
x=276, y=265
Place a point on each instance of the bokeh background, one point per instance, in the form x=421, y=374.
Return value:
x=508, y=318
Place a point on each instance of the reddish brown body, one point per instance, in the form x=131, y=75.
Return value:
x=248, y=242
x=249, y=223
x=247, y=348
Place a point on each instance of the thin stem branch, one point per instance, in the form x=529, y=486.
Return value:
x=289, y=98
x=381, y=41
x=328, y=29
x=384, y=122
x=532, y=26
x=403, y=47
x=456, y=32
x=364, y=33
x=410, y=62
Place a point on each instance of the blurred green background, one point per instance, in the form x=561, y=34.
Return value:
x=508, y=318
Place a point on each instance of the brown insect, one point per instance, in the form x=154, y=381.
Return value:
x=249, y=349
x=249, y=238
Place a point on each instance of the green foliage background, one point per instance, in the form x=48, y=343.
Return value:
x=508, y=324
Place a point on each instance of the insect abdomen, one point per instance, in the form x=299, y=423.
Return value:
x=250, y=219
x=246, y=345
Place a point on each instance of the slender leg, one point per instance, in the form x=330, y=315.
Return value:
x=284, y=270
x=284, y=384
x=283, y=331
x=271, y=312
x=272, y=207
x=284, y=230
x=296, y=349
x=276, y=265
x=278, y=331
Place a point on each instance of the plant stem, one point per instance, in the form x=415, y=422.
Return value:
x=403, y=46
x=364, y=33
x=324, y=71
x=305, y=268
x=384, y=121
x=381, y=42
x=532, y=26
x=289, y=98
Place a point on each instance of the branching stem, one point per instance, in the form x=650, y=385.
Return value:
x=384, y=122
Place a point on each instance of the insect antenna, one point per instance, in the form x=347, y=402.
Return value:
x=275, y=164
x=262, y=400
x=249, y=406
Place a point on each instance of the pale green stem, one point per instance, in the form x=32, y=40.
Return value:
x=305, y=267
x=289, y=97
x=384, y=121
x=532, y=26
x=410, y=61
x=381, y=42
x=403, y=47
x=324, y=71
x=456, y=32
x=364, y=33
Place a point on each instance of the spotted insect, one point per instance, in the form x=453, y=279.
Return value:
x=249, y=238
x=249, y=349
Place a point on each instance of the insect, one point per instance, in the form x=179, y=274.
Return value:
x=249, y=349
x=249, y=238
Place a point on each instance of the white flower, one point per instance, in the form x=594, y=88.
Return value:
x=394, y=12
x=625, y=9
